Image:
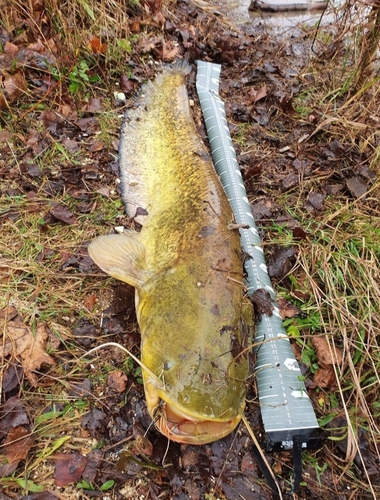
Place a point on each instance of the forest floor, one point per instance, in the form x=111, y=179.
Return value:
x=306, y=131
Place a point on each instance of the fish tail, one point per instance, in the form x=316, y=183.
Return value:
x=180, y=66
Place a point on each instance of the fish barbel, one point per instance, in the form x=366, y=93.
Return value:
x=185, y=265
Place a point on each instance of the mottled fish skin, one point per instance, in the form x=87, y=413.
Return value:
x=186, y=267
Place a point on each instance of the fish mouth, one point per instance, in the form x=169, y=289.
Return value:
x=182, y=427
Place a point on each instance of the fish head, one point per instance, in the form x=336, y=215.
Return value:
x=200, y=362
x=180, y=424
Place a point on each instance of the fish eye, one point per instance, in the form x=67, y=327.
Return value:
x=168, y=365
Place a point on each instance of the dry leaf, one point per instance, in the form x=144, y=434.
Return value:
x=97, y=46
x=159, y=20
x=288, y=309
x=63, y=214
x=316, y=199
x=10, y=49
x=357, y=186
x=94, y=105
x=12, y=377
x=68, y=468
x=12, y=414
x=147, y=43
x=8, y=313
x=286, y=105
x=51, y=120
x=256, y=95
x=89, y=301
x=324, y=355
x=169, y=53
x=95, y=422
x=36, y=47
x=12, y=87
x=17, y=444
x=7, y=469
x=117, y=380
x=154, y=5
x=126, y=85
x=94, y=460
x=324, y=377
x=29, y=347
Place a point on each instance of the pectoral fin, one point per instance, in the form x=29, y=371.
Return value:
x=121, y=256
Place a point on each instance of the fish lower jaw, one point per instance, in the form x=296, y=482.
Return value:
x=182, y=428
x=189, y=430
x=177, y=425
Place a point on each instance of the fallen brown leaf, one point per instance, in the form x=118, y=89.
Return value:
x=169, y=52
x=10, y=49
x=324, y=355
x=89, y=301
x=286, y=105
x=63, y=214
x=51, y=120
x=299, y=233
x=97, y=46
x=158, y=20
x=95, y=422
x=287, y=309
x=135, y=26
x=44, y=495
x=28, y=346
x=262, y=302
x=7, y=469
x=256, y=95
x=281, y=262
x=357, y=187
x=117, y=380
x=68, y=468
x=147, y=43
x=36, y=47
x=324, y=377
x=95, y=146
x=94, y=459
x=17, y=444
x=12, y=86
x=71, y=145
x=141, y=444
x=316, y=199
x=154, y=5
x=8, y=313
x=94, y=105
x=12, y=414
x=12, y=377
x=126, y=85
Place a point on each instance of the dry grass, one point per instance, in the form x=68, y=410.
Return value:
x=71, y=20
x=342, y=266
x=346, y=76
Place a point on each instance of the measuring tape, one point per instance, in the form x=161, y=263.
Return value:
x=288, y=416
